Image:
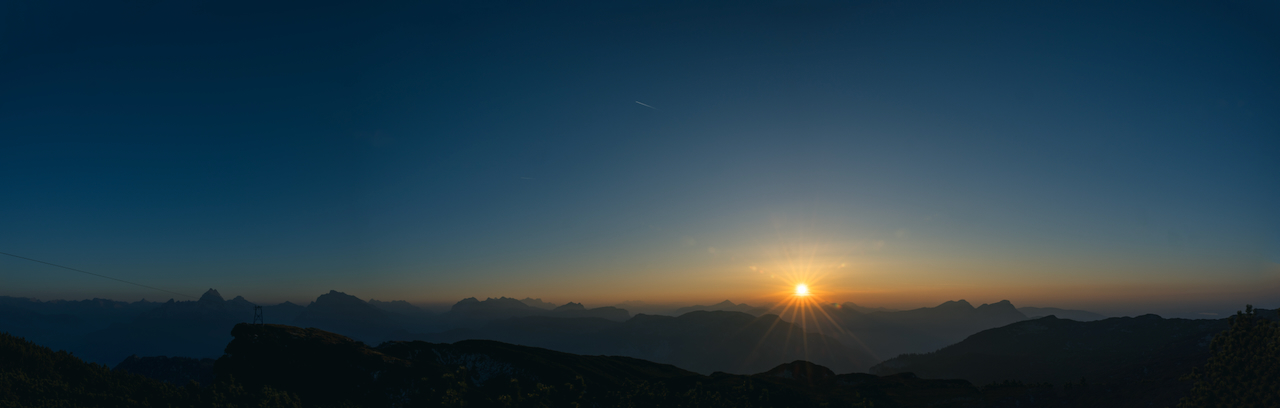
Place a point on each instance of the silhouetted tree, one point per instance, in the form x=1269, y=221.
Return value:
x=1244, y=367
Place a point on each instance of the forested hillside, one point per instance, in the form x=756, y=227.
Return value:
x=35, y=376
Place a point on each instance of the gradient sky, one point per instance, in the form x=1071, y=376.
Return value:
x=1116, y=157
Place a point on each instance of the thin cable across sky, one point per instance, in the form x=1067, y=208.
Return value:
x=100, y=276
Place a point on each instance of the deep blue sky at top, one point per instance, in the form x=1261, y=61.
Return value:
x=437, y=150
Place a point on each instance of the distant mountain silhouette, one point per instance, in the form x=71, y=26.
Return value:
x=210, y=305
x=474, y=312
x=640, y=307
x=855, y=307
x=61, y=323
x=887, y=334
x=705, y=342
x=570, y=307
x=53, y=329
x=106, y=332
x=339, y=312
x=239, y=302
x=578, y=310
x=91, y=311
x=195, y=329
x=538, y=303
x=1077, y=315
x=726, y=306
x=285, y=312
x=400, y=307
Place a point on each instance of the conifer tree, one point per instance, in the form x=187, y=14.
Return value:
x=1243, y=368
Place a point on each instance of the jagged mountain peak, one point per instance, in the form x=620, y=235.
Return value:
x=490, y=304
x=538, y=303
x=570, y=306
x=504, y=301
x=337, y=298
x=1001, y=305
x=211, y=295
x=240, y=301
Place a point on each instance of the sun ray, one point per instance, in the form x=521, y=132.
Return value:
x=804, y=309
x=805, y=304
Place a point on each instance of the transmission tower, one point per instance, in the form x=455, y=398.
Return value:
x=257, y=315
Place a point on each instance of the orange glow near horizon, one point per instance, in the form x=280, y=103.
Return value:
x=806, y=305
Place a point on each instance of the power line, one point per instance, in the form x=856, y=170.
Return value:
x=94, y=274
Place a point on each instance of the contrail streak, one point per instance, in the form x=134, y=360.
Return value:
x=647, y=106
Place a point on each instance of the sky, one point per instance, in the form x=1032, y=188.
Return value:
x=1122, y=158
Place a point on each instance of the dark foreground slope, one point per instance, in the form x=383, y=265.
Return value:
x=325, y=369
x=701, y=341
x=172, y=370
x=283, y=366
x=1058, y=350
x=1124, y=361
x=35, y=376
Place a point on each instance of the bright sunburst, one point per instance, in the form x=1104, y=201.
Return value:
x=804, y=291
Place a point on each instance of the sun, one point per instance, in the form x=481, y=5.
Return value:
x=802, y=290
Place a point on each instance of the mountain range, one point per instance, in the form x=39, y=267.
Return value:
x=701, y=341
x=1132, y=361
x=885, y=334
x=61, y=323
x=745, y=339
x=538, y=303
x=1077, y=315
x=270, y=366
x=195, y=329
x=726, y=306
x=325, y=368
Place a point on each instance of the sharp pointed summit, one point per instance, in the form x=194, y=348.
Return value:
x=211, y=296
